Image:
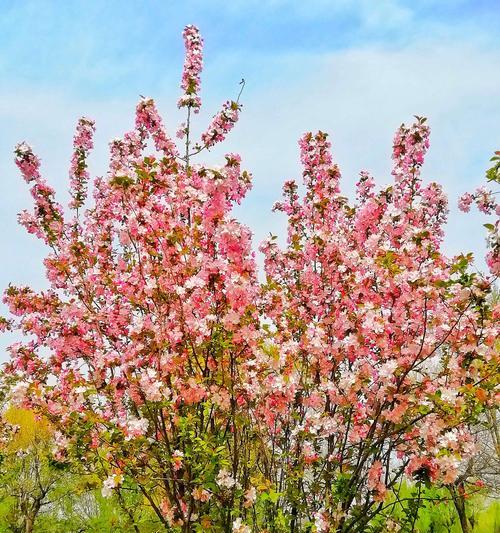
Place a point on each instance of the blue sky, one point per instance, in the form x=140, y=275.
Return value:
x=107, y=47
x=356, y=69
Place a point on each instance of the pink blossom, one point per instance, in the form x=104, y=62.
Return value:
x=82, y=144
x=375, y=482
x=465, y=202
x=221, y=124
x=136, y=427
x=193, y=65
x=240, y=527
x=111, y=483
x=225, y=479
x=148, y=120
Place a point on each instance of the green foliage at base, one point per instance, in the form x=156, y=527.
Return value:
x=436, y=513
x=89, y=513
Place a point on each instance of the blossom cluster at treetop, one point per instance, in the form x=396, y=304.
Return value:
x=295, y=404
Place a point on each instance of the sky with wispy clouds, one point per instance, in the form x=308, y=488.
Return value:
x=353, y=68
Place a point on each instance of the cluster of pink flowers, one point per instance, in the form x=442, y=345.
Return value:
x=193, y=65
x=123, y=151
x=148, y=120
x=222, y=123
x=465, y=202
x=409, y=148
x=493, y=256
x=78, y=173
x=375, y=481
x=484, y=200
x=46, y=221
x=27, y=162
x=486, y=203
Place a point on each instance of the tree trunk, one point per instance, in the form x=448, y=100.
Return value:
x=31, y=515
x=30, y=523
x=459, y=501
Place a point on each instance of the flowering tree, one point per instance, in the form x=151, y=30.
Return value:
x=293, y=406
x=140, y=348
x=379, y=347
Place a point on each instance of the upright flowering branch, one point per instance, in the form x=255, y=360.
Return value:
x=191, y=78
x=47, y=220
x=125, y=153
x=148, y=121
x=78, y=173
x=409, y=148
x=222, y=123
x=193, y=65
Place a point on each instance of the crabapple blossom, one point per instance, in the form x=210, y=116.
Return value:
x=465, y=202
x=201, y=495
x=250, y=497
x=109, y=484
x=225, y=479
x=221, y=124
x=82, y=144
x=193, y=65
x=47, y=220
